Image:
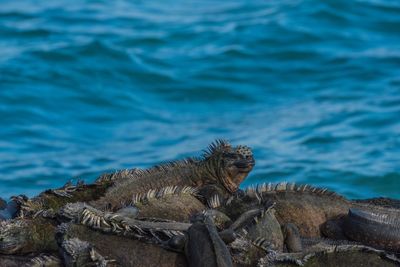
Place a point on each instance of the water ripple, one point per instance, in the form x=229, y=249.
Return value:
x=97, y=86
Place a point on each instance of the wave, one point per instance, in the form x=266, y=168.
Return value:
x=94, y=87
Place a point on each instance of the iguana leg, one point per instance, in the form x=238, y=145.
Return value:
x=204, y=246
x=246, y=252
x=261, y=225
x=220, y=219
x=76, y=252
x=213, y=196
x=245, y=218
x=292, y=237
x=177, y=243
x=44, y=260
x=334, y=228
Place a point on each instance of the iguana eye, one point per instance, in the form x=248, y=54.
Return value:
x=230, y=155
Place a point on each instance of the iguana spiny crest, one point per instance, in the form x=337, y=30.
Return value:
x=221, y=170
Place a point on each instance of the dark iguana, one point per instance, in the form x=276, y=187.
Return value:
x=318, y=213
x=220, y=171
x=201, y=243
x=246, y=250
x=305, y=206
x=373, y=225
x=332, y=254
x=51, y=200
x=41, y=260
x=295, y=207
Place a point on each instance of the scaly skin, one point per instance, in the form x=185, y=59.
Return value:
x=317, y=213
x=220, y=171
x=310, y=208
x=36, y=235
x=376, y=226
x=217, y=175
x=304, y=206
x=245, y=252
x=201, y=239
x=123, y=250
x=133, y=203
x=42, y=260
x=21, y=236
x=53, y=199
x=332, y=254
x=33, y=234
x=171, y=204
x=204, y=247
x=380, y=201
x=33, y=231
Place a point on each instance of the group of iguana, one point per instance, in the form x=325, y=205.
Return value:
x=192, y=213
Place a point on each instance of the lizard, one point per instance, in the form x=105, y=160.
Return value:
x=201, y=245
x=231, y=166
x=319, y=213
x=51, y=201
x=219, y=171
x=252, y=252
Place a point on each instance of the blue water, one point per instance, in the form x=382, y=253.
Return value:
x=93, y=86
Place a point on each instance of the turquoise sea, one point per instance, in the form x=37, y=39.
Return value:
x=93, y=86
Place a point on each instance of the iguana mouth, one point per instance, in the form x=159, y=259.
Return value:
x=243, y=168
x=245, y=165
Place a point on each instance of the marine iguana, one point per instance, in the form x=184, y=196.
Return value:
x=324, y=252
x=283, y=194
x=39, y=234
x=28, y=235
x=321, y=213
x=219, y=172
x=369, y=224
x=305, y=206
x=51, y=200
x=246, y=250
x=201, y=245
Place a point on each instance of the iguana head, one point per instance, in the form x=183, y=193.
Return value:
x=23, y=235
x=12, y=236
x=230, y=164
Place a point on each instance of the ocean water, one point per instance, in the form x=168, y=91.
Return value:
x=93, y=86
